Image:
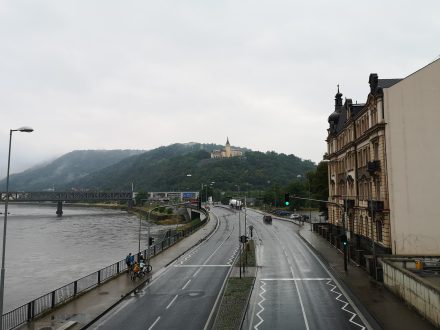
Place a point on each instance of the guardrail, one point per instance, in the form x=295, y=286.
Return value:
x=49, y=301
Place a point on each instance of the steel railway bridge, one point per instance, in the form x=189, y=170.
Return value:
x=72, y=196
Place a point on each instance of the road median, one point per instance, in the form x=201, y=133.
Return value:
x=238, y=291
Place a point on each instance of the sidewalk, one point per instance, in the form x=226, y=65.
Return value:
x=387, y=310
x=79, y=312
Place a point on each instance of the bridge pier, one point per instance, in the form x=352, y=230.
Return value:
x=59, y=208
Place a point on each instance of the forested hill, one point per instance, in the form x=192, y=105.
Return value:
x=61, y=171
x=173, y=168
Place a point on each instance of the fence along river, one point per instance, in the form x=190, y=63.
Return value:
x=44, y=252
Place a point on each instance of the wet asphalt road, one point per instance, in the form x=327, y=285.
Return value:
x=293, y=289
x=183, y=296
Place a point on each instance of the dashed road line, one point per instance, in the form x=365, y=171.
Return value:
x=198, y=271
x=184, y=287
x=172, y=301
x=154, y=323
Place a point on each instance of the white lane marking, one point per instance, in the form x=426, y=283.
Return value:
x=185, y=266
x=198, y=271
x=300, y=301
x=157, y=320
x=184, y=287
x=363, y=319
x=306, y=322
x=339, y=295
x=174, y=299
x=297, y=279
x=220, y=293
x=215, y=251
x=260, y=304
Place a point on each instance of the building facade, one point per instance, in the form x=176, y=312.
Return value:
x=227, y=152
x=383, y=160
x=412, y=113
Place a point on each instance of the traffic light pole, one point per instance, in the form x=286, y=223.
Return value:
x=344, y=240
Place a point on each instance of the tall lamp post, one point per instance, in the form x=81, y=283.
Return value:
x=5, y=221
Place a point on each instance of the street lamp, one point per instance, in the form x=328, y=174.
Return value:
x=5, y=221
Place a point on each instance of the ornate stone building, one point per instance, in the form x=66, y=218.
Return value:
x=383, y=167
x=357, y=172
x=227, y=152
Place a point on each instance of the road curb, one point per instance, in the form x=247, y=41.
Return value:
x=366, y=313
x=148, y=279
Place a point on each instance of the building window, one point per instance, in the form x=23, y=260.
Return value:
x=376, y=150
x=379, y=231
x=377, y=186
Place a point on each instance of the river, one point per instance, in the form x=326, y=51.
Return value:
x=44, y=252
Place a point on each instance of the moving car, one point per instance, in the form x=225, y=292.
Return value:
x=267, y=219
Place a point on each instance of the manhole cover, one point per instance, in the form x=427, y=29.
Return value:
x=103, y=293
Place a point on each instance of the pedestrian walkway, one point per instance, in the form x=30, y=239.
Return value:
x=81, y=311
x=388, y=310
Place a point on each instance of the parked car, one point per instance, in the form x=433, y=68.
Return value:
x=267, y=219
x=295, y=216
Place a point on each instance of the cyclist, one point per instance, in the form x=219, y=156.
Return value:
x=128, y=260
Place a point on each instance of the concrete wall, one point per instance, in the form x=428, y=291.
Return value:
x=412, y=114
x=414, y=290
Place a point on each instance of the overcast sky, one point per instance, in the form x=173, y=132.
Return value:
x=143, y=74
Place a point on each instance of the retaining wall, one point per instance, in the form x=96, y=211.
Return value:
x=415, y=290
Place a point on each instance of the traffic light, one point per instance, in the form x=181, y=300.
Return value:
x=344, y=240
x=286, y=200
x=150, y=241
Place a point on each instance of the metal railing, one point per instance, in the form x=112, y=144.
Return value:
x=49, y=301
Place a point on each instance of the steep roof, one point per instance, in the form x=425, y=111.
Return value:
x=385, y=83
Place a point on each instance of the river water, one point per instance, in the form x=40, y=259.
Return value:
x=44, y=252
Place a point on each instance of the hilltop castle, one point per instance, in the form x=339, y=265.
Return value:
x=227, y=152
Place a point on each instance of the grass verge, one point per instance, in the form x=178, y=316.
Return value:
x=234, y=303
x=236, y=296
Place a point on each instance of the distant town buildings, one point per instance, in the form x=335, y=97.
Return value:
x=384, y=165
x=227, y=152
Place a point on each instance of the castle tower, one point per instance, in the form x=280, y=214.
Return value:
x=228, y=148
